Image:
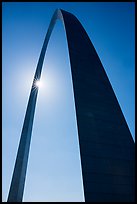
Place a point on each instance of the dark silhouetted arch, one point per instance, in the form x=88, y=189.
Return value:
x=106, y=144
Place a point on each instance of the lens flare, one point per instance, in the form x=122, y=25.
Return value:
x=38, y=84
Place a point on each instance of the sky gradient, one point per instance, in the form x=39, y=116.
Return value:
x=54, y=169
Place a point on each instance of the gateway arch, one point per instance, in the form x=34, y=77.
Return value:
x=107, y=149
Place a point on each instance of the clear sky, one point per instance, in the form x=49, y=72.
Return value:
x=54, y=169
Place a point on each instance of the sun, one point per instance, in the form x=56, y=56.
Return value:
x=38, y=83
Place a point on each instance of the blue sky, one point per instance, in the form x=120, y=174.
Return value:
x=54, y=169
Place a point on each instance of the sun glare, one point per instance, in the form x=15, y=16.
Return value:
x=38, y=84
